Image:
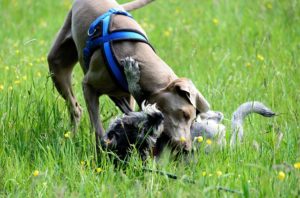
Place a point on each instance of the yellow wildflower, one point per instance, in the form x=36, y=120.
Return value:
x=10, y=88
x=30, y=64
x=82, y=163
x=219, y=173
x=269, y=6
x=260, y=57
x=24, y=77
x=99, y=170
x=215, y=21
x=199, y=139
x=182, y=139
x=38, y=74
x=208, y=141
x=17, y=51
x=36, y=173
x=177, y=11
x=67, y=134
x=17, y=82
x=6, y=68
x=297, y=165
x=204, y=173
x=281, y=175
x=167, y=33
x=248, y=64
x=1, y=87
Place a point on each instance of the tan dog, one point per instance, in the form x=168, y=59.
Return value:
x=177, y=98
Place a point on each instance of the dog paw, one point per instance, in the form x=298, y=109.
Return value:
x=131, y=67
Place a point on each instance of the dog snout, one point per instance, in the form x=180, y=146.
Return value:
x=184, y=143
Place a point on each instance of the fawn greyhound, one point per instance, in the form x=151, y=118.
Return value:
x=177, y=98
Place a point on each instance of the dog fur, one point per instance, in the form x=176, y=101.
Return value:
x=177, y=98
x=140, y=129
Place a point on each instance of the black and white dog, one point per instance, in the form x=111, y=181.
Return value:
x=137, y=129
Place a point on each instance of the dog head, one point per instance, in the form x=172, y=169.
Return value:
x=180, y=102
x=137, y=128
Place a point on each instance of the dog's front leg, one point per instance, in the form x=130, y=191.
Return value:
x=92, y=102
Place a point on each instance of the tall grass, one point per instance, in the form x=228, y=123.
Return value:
x=234, y=51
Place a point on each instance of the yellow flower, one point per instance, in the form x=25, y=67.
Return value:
x=208, y=141
x=67, y=134
x=38, y=74
x=297, y=165
x=260, y=57
x=17, y=82
x=281, y=175
x=30, y=64
x=6, y=68
x=215, y=21
x=199, y=139
x=177, y=11
x=10, y=88
x=17, y=51
x=82, y=163
x=269, y=6
x=248, y=64
x=204, y=173
x=1, y=87
x=36, y=173
x=167, y=33
x=99, y=170
x=24, y=77
x=43, y=59
x=182, y=139
x=219, y=173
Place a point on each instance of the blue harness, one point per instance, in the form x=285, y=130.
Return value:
x=103, y=40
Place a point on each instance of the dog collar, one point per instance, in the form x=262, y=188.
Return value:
x=99, y=36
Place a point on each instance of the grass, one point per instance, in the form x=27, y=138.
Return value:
x=234, y=51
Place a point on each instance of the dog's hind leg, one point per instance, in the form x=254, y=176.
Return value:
x=61, y=59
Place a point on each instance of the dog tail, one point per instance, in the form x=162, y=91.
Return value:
x=241, y=113
x=133, y=5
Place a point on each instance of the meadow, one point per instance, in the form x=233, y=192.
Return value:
x=234, y=51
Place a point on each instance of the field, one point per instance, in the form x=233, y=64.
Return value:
x=234, y=51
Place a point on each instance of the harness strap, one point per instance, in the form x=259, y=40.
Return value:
x=104, y=42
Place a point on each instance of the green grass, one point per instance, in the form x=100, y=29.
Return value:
x=215, y=43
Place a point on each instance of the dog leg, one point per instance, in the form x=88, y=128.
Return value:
x=133, y=5
x=92, y=102
x=61, y=59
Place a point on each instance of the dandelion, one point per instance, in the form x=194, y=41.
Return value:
x=199, y=139
x=219, y=173
x=215, y=21
x=38, y=74
x=248, y=64
x=204, y=173
x=67, y=134
x=182, y=139
x=281, y=175
x=17, y=82
x=1, y=87
x=167, y=33
x=297, y=165
x=260, y=57
x=24, y=77
x=82, y=163
x=6, y=68
x=30, y=64
x=43, y=59
x=269, y=6
x=208, y=141
x=17, y=51
x=36, y=173
x=99, y=170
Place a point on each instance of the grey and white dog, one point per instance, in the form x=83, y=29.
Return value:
x=209, y=124
x=138, y=129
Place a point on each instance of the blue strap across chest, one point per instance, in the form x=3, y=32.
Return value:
x=103, y=41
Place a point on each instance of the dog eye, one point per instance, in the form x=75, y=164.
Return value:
x=186, y=115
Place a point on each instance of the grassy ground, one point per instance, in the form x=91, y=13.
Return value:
x=234, y=51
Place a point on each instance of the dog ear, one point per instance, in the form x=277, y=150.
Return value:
x=187, y=89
